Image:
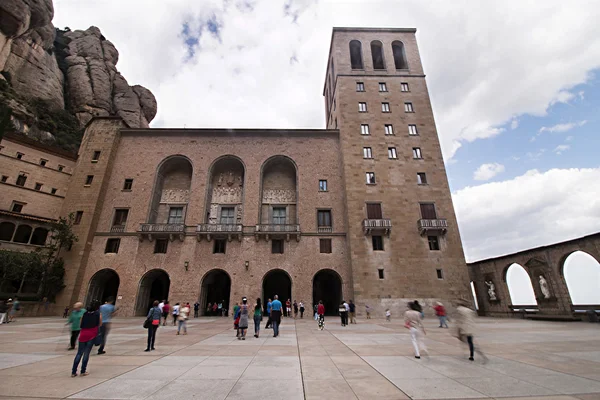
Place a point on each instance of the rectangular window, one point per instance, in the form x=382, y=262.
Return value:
x=227, y=215
x=21, y=179
x=277, y=246
x=440, y=273
x=112, y=246
x=392, y=153
x=120, y=218
x=367, y=152
x=219, y=246
x=322, y=185
x=389, y=129
x=370, y=178
x=175, y=215
x=43, y=162
x=362, y=107
x=428, y=211
x=279, y=215
x=374, y=211
x=382, y=87
x=160, y=246
x=325, y=246
x=96, y=156
x=61, y=167
x=128, y=184
x=20, y=156
x=364, y=129
x=17, y=207
x=380, y=273
x=53, y=191
x=4, y=178
x=434, y=243
x=360, y=87
x=377, y=243
x=38, y=186
x=404, y=87
x=78, y=217
x=408, y=107
x=417, y=153
x=385, y=107
x=324, y=218
x=421, y=178
x=412, y=130
x=89, y=179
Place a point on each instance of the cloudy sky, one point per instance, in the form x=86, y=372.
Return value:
x=514, y=87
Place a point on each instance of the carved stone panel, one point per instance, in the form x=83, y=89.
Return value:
x=175, y=196
x=227, y=195
x=279, y=196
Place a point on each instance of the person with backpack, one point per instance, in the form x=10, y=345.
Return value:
x=91, y=321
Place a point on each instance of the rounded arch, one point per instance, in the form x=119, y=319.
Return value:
x=399, y=53
x=215, y=286
x=22, y=234
x=226, y=182
x=356, y=58
x=377, y=54
x=103, y=285
x=279, y=190
x=39, y=236
x=172, y=183
x=277, y=282
x=581, y=272
x=7, y=230
x=519, y=285
x=154, y=285
x=327, y=287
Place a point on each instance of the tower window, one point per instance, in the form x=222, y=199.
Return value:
x=399, y=55
x=20, y=156
x=38, y=186
x=362, y=107
x=367, y=152
x=421, y=178
x=428, y=211
x=404, y=87
x=392, y=155
x=43, y=162
x=385, y=107
x=434, y=243
x=89, y=179
x=364, y=129
x=160, y=246
x=277, y=246
x=325, y=246
x=279, y=215
x=412, y=130
x=322, y=185
x=374, y=211
x=128, y=184
x=227, y=215
x=440, y=273
x=382, y=87
x=17, y=206
x=377, y=243
x=377, y=54
x=120, y=218
x=96, y=156
x=21, y=179
x=219, y=246
x=78, y=217
x=175, y=215
x=324, y=219
x=389, y=129
x=61, y=168
x=370, y=178
x=360, y=87
x=112, y=246
x=53, y=191
x=4, y=178
x=417, y=153
x=380, y=273
x=408, y=107
x=356, y=55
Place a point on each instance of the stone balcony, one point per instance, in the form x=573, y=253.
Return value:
x=171, y=231
x=433, y=226
x=377, y=226
x=210, y=231
x=277, y=231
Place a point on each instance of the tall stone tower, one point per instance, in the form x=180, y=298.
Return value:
x=403, y=237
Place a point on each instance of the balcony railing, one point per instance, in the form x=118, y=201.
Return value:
x=278, y=230
x=117, y=228
x=383, y=225
x=324, y=229
x=219, y=230
x=432, y=225
x=161, y=230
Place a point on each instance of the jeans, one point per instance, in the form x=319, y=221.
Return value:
x=443, y=321
x=104, y=331
x=195, y=313
x=256, y=324
x=275, y=324
x=182, y=323
x=268, y=321
x=417, y=341
x=83, y=350
x=74, y=336
x=471, y=345
x=152, y=335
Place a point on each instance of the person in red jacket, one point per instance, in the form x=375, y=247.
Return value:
x=321, y=314
x=440, y=311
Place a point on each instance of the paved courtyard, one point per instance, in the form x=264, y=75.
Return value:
x=370, y=360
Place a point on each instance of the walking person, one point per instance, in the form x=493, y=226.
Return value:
x=184, y=312
x=301, y=305
x=352, y=308
x=342, y=311
x=440, y=311
x=15, y=307
x=321, y=315
x=269, y=304
x=465, y=327
x=3, y=311
x=106, y=310
x=196, y=309
x=153, y=320
x=288, y=308
x=368, y=311
x=243, y=324
x=276, y=307
x=214, y=309
x=347, y=307
x=166, y=311
x=412, y=322
x=220, y=308
x=209, y=309
x=175, y=312
x=91, y=321
x=75, y=322
x=295, y=309
x=388, y=315
x=418, y=308
x=257, y=317
x=66, y=312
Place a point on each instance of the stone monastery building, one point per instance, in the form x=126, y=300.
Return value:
x=360, y=210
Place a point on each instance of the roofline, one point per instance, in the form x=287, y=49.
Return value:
x=51, y=149
x=27, y=216
x=533, y=249
x=107, y=117
x=228, y=131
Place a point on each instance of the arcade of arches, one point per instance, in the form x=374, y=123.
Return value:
x=559, y=279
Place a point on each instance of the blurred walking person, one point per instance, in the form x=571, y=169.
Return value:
x=243, y=324
x=368, y=311
x=3, y=311
x=196, y=309
x=321, y=315
x=166, y=311
x=152, y=322
x=91, y=321
x=412, y=321
x=75, y=322
x=465, y=327
x=352, y=308
x=440, y=311
x=268, y=324
x=175, y=313
x=184, y=312
x=257, y=317
x=343, y=313
x=288, y=308
x=301, y=305
x=276, y=307
x=295, y=309
x=106, y=310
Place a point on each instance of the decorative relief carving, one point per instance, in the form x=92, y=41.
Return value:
x=279, y=196
x=239, y=213
x=227, y=195
x=214, y=213
x=229, y=178
x=175, y=196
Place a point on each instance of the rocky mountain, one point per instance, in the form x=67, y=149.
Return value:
x=54, y=81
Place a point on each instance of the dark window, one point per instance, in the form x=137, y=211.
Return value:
x=175, y=215
x=377, y=54
x=128, y=184
x=434, y=243
x=4, y=178
x=20, y=155
x=53, y=191
x=440, y=273
x=89, y=179
x=78, y=216
x=17, y=207
x=421, y=178
x=277, y=246
x=219, y=247
x=399, y=56
x=43, y=162
x=21, y=179
x=428, y=211
x=356, y=55
x=161, y=245
x=112, y=246
x=96, y=156
x=120, y=217
x=374, y=211
x=227, y=215
x=377, y=243
x=360, y=87
x=325, y=245
x=380, y=273
x=324, y=218
x=38, y=186
x=279, y=215
x=61, y=167
x=322, y=185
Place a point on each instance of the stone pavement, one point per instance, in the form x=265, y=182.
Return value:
x=370, y=360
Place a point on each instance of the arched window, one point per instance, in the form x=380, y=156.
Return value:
x=171, y=191
x=6, y=231
x=39, y=236
x=23, y=234
x=519, y=286
x=582, y=275
x=377, y=54
x=399, y=55
x=356, y=60
x=225, y=192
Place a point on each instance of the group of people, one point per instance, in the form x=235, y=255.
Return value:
x=214, y=309
x=8, y=310
x=347, y=309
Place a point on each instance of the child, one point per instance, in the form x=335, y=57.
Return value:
x=368, y=311
x=388, y=315
x=66, y=313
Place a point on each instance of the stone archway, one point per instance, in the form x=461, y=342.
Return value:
x=581, y=272
x=154, y=285
x=215, y=287
x=103, y=285
x=519, y=285
x=327, y=287
x=277, y=282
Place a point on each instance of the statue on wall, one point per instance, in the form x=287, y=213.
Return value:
x=544, y=287
x=491, y=290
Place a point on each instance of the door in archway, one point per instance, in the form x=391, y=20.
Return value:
x=154, y=285
x=103, y=285
x=327, y=287
x=277, y=282
x=216, y=287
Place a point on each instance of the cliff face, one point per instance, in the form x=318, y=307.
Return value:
x=73, y=71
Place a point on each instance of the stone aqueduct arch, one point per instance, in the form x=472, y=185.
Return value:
x=547, y=261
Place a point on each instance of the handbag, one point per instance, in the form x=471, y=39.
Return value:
x=147, y=323
x=98, y=339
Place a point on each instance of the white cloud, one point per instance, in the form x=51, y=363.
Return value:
x=569, y=139
x=559, y=128
x=561, y=148
x=534, y=209
x=244, y=78
x=487, y=171
x=514, y=124
x=534, y=156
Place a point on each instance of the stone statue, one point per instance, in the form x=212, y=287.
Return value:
x=544, y=287
x=491, y=290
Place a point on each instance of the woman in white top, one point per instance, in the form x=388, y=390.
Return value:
x=412, y=321
x=184, y=311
